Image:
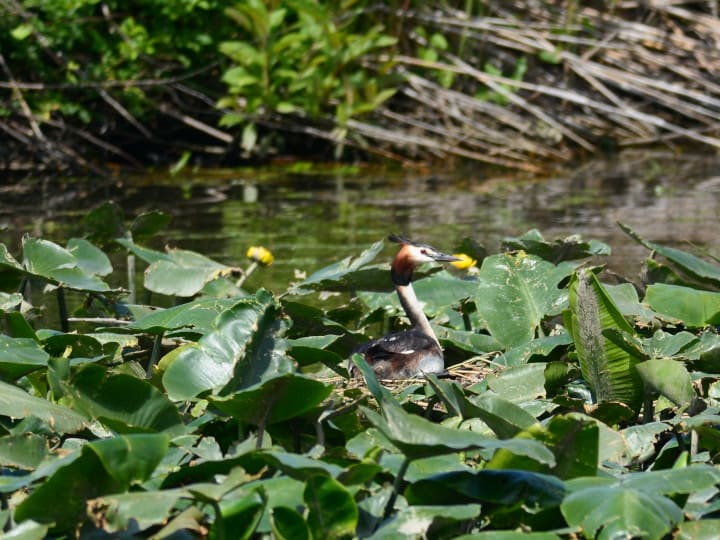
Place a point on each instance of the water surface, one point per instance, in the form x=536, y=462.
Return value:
x=310, y=219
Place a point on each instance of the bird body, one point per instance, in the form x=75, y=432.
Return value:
x=416, y=351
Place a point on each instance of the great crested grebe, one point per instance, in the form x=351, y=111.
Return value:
x=416, y=351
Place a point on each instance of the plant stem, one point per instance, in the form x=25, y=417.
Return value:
x=154, y=354
x=62, y=310
x=399, y=479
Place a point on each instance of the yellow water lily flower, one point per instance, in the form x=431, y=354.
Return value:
x=261, y=255
x=465, y=262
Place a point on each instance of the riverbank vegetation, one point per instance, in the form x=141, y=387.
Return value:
x=87, y=85
x=579, y=404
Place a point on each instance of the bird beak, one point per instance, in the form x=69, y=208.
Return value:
x=444, y=257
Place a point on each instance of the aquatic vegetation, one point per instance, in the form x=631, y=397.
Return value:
x=576, y=406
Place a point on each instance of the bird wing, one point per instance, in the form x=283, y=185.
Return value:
x=406, y=342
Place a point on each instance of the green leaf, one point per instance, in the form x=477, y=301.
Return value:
x=274, y=400
x=507, y=488
x=332, y=512
x=123, y=402
x=20, y=356
x=706, y=529
x=183, y=273
x=148, y=224
x=671, y=481
x=104, y=467
x=16, y=403
x=23, y=451
x=516, y=292
x=288, y=524
x=693, y=307
x=620, y=512
x=22, y=31
x=47, y=260
x=608, y=368
x=197, y=315
x=28, y=530
x=695, y=266
x=669, y=378
x=89, y=258
x=244, y=347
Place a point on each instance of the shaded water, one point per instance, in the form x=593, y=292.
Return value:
x=309, y=220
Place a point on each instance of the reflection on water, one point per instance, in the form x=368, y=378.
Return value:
x=311, y=220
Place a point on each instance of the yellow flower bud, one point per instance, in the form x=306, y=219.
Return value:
x=465, y=261
x=261, y=255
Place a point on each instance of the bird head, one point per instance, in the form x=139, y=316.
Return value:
x=411, y=255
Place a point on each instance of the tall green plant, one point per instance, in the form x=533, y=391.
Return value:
x=597, y=326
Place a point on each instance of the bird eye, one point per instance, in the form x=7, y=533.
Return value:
x=423, y=251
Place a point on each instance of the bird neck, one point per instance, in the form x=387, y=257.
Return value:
x=414, y=310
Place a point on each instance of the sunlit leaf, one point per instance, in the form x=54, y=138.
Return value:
x=616, y=512
x=416, y=521
x=243, y=346
x=695, y=308
x=516, y=292
x=16, y=403
x=669, y=378
x=567, y=249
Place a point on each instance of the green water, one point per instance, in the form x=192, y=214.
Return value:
x=310, y=219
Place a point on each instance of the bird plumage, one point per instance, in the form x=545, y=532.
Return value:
x=416, y=351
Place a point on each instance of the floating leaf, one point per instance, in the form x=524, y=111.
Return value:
x=20, y=356
x=567, y=249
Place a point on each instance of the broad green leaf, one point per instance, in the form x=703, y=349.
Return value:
x=620, y=512
x=706, y=529
x=197, y=315
x=23, y=451
x=274, y=400
x=104, y=467
x=573, y=439
x=668, y=482
x=20, y=356
x=124, y=403
x=608, y=368
x=238, y=517
x=183, y=273
x=669, y=378
x=89, y=258
x=17, y=403
x=105, y=223
x=695, y=266
x=504, y=417
x=244, y=347
x=288, y=524
x=49, y=261
x=507, y=488
x=516, y=292
x=332, y=512
x=519, y=383
x=509, y=535
x=695, y=308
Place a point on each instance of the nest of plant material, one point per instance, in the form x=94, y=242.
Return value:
x=539, y=82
